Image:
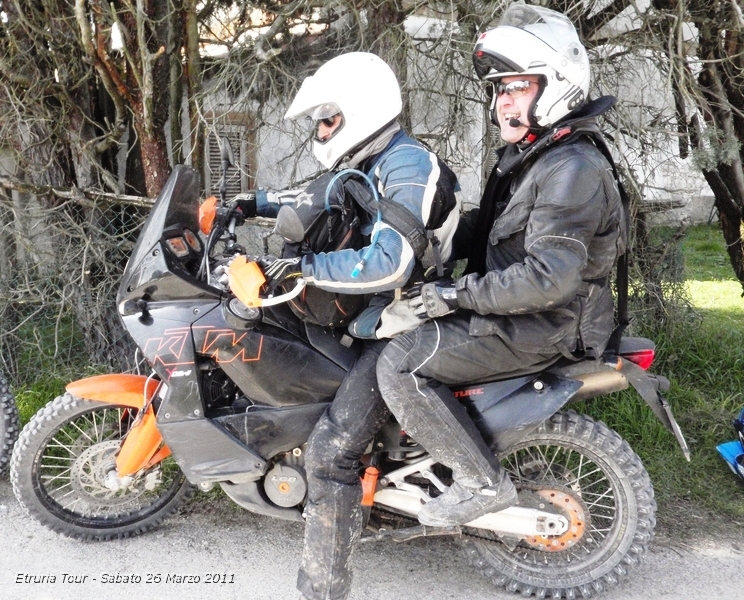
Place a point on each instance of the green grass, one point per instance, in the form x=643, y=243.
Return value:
x=706, y=367
x=30, y=398
x=50, y=355
x=704, y=361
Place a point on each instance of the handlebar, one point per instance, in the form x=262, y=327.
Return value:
x=246, y=280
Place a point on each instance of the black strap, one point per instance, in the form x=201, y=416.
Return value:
x=623, y=261
x=397, y=216
x=436, y=248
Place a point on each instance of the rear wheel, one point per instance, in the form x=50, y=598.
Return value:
x=62, y=468
x=583, y=470
x=9, y=425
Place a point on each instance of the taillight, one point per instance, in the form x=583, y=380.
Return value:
x=207, y=212
x=643, y=358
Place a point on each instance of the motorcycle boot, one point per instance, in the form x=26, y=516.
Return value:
x=460, y=504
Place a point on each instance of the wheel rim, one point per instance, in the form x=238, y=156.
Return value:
x=589, y=494
x=73, y=463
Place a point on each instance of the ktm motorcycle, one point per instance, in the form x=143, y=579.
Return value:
x=9, y=425
x=238, y=383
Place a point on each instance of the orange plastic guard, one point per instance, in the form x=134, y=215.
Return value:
x=140, y=445
x=143, y=440
x=116, y=388
x=207, y=212
x=246, y=279
x=369, y=485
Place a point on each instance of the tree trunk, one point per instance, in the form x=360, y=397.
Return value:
x=721, y=83
x=154, y=157
x=390, y=42
x=193, y=79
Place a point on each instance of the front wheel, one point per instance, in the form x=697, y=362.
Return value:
x=62, y=467
x=585, y=471
x=9, y=425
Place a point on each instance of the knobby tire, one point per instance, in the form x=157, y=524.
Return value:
x=9, y=424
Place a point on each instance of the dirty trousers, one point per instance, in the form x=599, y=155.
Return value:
x=333, y=514
x=411, y=370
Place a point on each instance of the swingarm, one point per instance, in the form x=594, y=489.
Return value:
x=406, y=498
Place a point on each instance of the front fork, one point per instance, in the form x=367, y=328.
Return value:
x=142, y=447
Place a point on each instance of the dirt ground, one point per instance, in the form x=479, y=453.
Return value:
x=238, y=555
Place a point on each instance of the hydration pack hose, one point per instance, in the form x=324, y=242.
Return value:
x=376, y=230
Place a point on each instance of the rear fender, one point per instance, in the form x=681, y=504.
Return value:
x=143, y=445
x=650, y=388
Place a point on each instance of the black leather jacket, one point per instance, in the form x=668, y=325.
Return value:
x=549, y=253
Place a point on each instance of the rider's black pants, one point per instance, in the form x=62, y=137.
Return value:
x=410, y=370
x=333, y=515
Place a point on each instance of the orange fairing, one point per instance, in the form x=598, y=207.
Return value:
x=143, y=443
x=246, y=280
x=207, y=212
x=116, y=388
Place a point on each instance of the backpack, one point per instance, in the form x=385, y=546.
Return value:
x=322, y=225
x=324, y=220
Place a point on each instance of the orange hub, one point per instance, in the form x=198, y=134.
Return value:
x=569, y=507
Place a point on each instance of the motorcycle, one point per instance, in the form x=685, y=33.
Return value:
x=9, y=423
x=238, y=383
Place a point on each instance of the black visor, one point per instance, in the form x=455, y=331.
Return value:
x=485, y=62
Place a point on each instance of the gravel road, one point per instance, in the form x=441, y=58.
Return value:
x=249, y=557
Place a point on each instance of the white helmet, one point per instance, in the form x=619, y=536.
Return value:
x=531, y=40
x=362, y=88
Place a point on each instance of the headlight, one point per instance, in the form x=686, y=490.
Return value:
x=192, y=240
x=178, y=246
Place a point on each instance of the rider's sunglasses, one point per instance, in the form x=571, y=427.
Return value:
x=328, y=122
x=515, y=89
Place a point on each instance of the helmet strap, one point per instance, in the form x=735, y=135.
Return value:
x=534, y=127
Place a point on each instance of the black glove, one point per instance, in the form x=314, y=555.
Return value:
x=279, y=270
x=247, y=204
x=436, y=300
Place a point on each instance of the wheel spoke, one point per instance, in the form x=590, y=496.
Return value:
x=51, y=478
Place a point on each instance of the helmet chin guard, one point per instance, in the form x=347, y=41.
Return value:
x=531, y=40
x=366, y=92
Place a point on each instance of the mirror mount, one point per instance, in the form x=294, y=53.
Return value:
x=228, y=160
